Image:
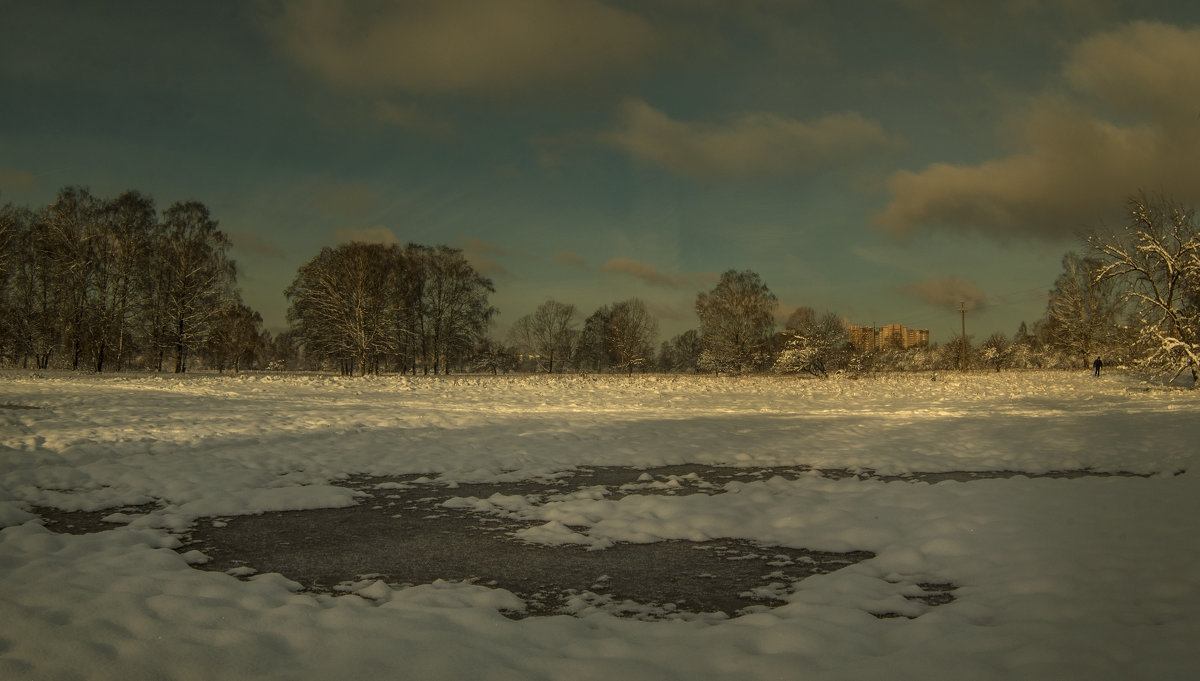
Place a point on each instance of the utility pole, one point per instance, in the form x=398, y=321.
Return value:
x=962, y=308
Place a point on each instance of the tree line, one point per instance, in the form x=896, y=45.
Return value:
x=108, y=284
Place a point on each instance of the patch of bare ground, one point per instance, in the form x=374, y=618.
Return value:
x=402, y=534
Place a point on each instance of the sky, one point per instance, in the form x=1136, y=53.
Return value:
x=885, y=160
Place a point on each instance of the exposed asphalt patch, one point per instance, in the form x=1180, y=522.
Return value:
x=401, y=533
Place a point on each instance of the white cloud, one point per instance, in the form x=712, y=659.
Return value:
x=743, y=145
x=643, y=271
x=1074, y=161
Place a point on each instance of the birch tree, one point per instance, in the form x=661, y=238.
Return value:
x=456, y=305
x=70, y=223
x=120, y=252
x=197, y=276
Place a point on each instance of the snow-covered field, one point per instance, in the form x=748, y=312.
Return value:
x=1086, y=578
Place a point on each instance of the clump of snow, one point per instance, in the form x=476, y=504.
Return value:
x=554, y=533
x=1092, y=577
x=195, y=557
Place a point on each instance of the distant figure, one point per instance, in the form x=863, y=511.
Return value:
x=1096, y=365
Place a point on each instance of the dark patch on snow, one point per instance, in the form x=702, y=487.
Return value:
x=402, y=533
x=931, y=594
x=87, y=522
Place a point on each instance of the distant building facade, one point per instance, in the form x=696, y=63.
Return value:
x=891, y=336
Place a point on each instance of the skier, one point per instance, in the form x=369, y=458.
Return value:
x=1096, y=365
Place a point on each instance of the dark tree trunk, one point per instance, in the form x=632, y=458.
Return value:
x=179, y=358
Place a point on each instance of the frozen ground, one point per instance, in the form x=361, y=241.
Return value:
x=1083, y=578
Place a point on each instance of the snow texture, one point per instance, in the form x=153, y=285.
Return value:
x=1080, y=578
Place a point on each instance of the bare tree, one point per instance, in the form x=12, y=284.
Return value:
x=91, y=280
x=71, y=228
x=631, y=333
x=363, y=303
x=736, y=322
x=546, y=333
x=493, y=356
x=593, y=351
x=412, y=339
x=1156, y=256
x=1083, y=310
x=35, y=292
x=12, y=223
x=198, y=276
x=235, y=337
x=456, y=303
x=681, y=353
x=120, y=249
x=344, y=304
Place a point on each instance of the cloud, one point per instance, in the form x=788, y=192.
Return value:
x=477, y=252
x=1143, y=68
x=487, y=267
x=947, y=293
x=461, y=46
x=646, y=272
x=743, y=145
x=251, y=244
x=570, y=259
x=679, y=312
x=19, y=180
x=368, y=235
x=1072, y=164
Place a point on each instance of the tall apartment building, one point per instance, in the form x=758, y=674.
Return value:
x=890, y=336
x=862, y=337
